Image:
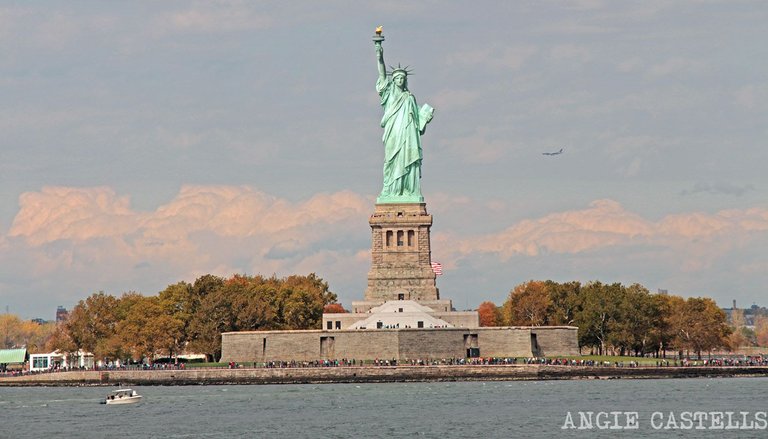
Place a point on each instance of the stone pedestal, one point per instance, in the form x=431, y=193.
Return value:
x=401, y=255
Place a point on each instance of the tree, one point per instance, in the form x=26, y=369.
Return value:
x=209, y=315
x=9, y=329
x=214, y=315
x=148, y=330
x=664, y=333
x=701, y=326
x=565, y=302
x=60, y=340
x=254, y=308
x=304, y=298
x=598, y=309
x=178, y=302
x=301, y=311
x=332, y=308
x=36, y=335
x=246, y=303
x=16, y=332
x=490, y=314
x=761, y=330
x=636, y=316
x=738, y=337
x=527, y=305
x=92, y=322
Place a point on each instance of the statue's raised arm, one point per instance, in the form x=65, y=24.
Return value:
x=377, y=40
x=380, y=59
x=403, y=124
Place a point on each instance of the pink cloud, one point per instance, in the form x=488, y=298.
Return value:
x=72, y=213
x=102, y=225
x=94, y=238
x=698, y=238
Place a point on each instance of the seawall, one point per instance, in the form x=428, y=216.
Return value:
x=370, y=374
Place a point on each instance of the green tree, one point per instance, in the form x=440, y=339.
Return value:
x=243, y=303
x=663, y=333
x=210, y=315
x=214, y=315
x=178, y=302
x=636, y=316
x=599, y=307
x=565, y=302
x=312, y=292
x=251, y=297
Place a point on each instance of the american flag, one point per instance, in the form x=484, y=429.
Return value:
x=437, y=268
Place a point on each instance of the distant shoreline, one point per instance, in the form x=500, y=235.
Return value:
x=372, y=374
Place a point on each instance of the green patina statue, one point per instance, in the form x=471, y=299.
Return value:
x=403, y=124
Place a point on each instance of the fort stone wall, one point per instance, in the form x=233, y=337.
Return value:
x=440, y=343
x=556, y=340
x=504, y=341
x=399, y=344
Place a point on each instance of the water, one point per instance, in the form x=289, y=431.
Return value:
x=534, y=409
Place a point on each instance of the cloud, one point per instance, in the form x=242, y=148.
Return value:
x=603, y=224
x=718, y=188
x=43, y=27
x=570, y=52
x=752, y=96
x=67, y=242
x=585, y=4
x=484, y=145
x=693, y=241
x=89, y=239
x=676, y=66
x=219, y=16
x=72, y=213
x=241, y=226
x=630, y=65
x=456, y=99
x=498, y=58
x=74, y=227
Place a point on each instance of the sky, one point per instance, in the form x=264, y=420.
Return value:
x=147, y=143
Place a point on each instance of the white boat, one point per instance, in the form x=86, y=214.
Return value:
x=122, y=396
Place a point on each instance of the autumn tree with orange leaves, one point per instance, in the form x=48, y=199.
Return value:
x=192, y=316
x=334, y=308
x=761, y=330
x=489, y=314
x=527, y=305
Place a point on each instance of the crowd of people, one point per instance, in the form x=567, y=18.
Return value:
x=759, y=360
x=733, y=361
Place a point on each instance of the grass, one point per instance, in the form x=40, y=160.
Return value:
x=196, y=365
x=617, y=358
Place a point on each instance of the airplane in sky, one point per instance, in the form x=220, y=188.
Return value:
x=553, y=153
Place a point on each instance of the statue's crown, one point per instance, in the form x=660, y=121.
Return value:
x=400, y=70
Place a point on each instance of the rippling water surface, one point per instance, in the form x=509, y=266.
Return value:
x=535, y=409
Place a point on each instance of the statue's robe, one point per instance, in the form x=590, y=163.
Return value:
x=402, y=141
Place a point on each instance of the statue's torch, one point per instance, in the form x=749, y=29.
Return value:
x=378, y=37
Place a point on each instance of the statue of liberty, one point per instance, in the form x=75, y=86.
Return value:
x=403, y=124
